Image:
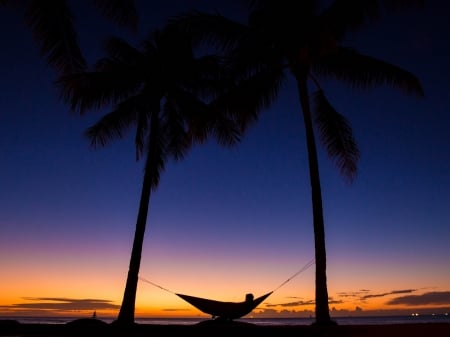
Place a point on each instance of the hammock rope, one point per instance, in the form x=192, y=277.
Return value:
x=156, y=285
x=305, y=267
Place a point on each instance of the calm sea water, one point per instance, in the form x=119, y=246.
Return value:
x=259, y=321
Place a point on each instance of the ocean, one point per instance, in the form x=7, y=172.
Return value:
x=355, y=320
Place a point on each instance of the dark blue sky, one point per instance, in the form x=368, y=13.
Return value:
x=244, y=209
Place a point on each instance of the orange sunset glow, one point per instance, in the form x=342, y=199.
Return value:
x=78, y=288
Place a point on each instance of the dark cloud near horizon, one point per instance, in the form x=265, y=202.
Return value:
x=393, y=292
x=290, y=304
x=270, y=313
x=299, y=303
x=174, y=310
x=435, y=298
x=429, y=298
x=365, y=294
x=349, y=294
x=356, y=294
x=63, y=303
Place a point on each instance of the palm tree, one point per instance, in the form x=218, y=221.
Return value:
x=52, y=24
x=302, y=39
x=162, y=90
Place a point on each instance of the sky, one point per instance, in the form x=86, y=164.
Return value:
x=228, y=221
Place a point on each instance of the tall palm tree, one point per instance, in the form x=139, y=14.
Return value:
x=52, y=24
x=302, y=39
x=162, y=90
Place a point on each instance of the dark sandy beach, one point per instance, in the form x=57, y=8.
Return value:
x=11, y=328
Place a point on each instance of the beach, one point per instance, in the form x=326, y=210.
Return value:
x=99, y=328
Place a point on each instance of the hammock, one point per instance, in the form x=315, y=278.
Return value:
x=225, y=310
x=228, y=310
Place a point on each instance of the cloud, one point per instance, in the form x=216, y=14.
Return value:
x=332, y=301
x=357, y=294
x=291, y=304
x=62, y=303
x=175, y=310
x=299, y=303
x=393, y=292
x=283, y=313
x=348, y=294
x=435, y=298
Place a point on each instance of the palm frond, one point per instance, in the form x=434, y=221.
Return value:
x=156, y=150
x=121, y=11
x=52, y=25
x=147, y=105
x=199, y=121
x=185, y=105
x=361, y=71
x=115, y=124
x=208, y=120
x=254, y=53
x=120, y=50
x=209, y=29
x=225, y=130
x=178, y=139
x=207, y=76
x=343, y=16
x=336, y=135
x=94, y=90
x=244, y=100
x=142, y=127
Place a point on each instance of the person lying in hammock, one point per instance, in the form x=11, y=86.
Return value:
x=248, y=302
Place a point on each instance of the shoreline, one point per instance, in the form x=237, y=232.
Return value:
x=93, y=327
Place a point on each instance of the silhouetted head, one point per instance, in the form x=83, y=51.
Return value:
x=249, y=298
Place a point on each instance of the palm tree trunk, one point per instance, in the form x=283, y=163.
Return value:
x=322, y=309
x=126, y=313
